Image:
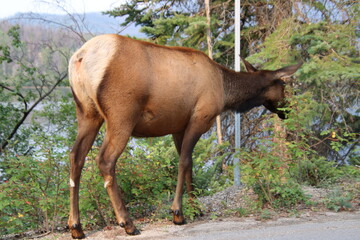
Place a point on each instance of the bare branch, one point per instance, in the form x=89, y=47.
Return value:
x=17, y=93
x=5, y=142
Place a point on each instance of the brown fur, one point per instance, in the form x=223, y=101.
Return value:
x=146, y=90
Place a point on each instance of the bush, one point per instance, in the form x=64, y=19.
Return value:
x=316, y=171
x=33, y=198
x=337, y=201
x=263, y=171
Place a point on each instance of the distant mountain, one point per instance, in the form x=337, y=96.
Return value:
x=95, y=22
x=48, y=44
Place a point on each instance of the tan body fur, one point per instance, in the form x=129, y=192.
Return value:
x=146, y=90
x=150, y=69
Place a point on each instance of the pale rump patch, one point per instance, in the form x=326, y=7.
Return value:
x=72, y=184
x=88, y=65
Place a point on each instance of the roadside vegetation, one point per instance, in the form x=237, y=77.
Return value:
x=317, y=147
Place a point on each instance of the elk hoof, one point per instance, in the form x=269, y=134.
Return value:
x=76, y=231
x=130, y=229
x=135, y=232
x=178, y=218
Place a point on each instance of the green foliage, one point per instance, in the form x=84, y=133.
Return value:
x=266, y=172
x=338, y=201
x=181, y=23
x=5, y=49
x=316, y=171
x=23, y=86
x=34, y=192
x=192, y=208
x=332, y=48
x=33, y=197
x=263, y=170
x=329, y=74
x=179, y=30
x=14, y=34
x=275, y=179
x=307, y=167
x=207, y=169
x=265, y=214
x=242, y=212
x=147, y=173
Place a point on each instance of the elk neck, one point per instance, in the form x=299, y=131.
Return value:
x=243, y=91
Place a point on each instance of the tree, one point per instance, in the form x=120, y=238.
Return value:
x=329, y=72
x=178, y=23
x=26, y=75
x=210, y=53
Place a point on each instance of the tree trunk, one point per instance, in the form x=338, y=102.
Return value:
x=210, y=51
x=280, y=148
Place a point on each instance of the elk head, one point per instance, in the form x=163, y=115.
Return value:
x=274, y=95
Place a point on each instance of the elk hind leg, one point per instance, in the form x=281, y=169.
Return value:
x=88, y=127
x=113, y=146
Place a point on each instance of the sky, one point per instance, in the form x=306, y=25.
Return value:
x=49, y=6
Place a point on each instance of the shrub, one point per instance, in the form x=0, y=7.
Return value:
x=33, y=197
x=337, y=200
x=263, y=171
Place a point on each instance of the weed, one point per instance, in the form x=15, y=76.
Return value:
x=338, y=201
x=241, y=212
x=265, y=214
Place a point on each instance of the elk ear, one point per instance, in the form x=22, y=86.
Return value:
x=286, y=72
x=249, y=67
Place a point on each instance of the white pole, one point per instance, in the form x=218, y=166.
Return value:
x=237, y=35
x=237, y=181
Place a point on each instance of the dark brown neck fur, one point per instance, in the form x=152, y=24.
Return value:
x=243, y=91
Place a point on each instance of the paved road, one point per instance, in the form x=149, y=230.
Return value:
x=329, y=226
x=330, y=230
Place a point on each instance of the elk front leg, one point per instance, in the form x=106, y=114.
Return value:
x=185, y=172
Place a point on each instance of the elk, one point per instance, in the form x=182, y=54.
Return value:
x=146, y=90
